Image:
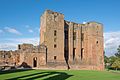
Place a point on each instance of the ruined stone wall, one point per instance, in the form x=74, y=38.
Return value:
x=35, y=55
x=74, y=42
x=9, y=58
x=86, y=45
x=27, y=56
x=25, y=46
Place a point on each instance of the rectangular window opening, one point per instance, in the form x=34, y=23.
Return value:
x=19, y=47
x=55, y=45
x=55, y=57
x=55, y=33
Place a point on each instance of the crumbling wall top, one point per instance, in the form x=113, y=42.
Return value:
x=52, y=12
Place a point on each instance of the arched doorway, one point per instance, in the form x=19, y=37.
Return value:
x=35, y=62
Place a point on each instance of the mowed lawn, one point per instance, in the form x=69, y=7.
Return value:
x=59, y=75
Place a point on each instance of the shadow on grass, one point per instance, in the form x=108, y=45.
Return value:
x=15, y=78
x=14, y=71
x=59, y=76
x=46, y=75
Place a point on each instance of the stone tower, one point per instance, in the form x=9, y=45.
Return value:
x=52, y=35
x=79, y=46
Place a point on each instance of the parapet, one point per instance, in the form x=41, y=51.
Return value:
x=52, y=12
x=24, y=46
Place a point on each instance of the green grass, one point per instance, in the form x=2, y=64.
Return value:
x=59, y=75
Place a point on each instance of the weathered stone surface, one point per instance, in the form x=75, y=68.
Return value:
x=76, y=44
x=63, y=45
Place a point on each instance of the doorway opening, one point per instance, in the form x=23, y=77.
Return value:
x=35, y=62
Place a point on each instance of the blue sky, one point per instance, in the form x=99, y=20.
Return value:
x=20, y=19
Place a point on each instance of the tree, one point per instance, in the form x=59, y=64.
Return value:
x=118, y=53
x=106, y=61
x=112, y=60
x=116, y=64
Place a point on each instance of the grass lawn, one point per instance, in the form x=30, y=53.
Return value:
x=59, y=75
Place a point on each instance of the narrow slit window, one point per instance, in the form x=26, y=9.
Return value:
x=19, y=47
x=55, y=45
x=96, y=42
x=82, y=51
x=55, y=33
x=55, y=57
x=74, y=51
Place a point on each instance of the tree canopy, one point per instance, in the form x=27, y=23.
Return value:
x=113, y=62
x=116, y=64
x=118, y=53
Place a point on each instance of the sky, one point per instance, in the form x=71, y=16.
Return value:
x=20, y=19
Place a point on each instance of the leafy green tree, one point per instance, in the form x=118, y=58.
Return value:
x=112, y=60
x=106, y=59
x=116, y=64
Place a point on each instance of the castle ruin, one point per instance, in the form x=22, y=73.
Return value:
x=63, y=45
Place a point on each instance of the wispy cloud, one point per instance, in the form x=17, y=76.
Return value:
x=111, y=42
x=30, y=30
x=34, y=41
x=8, y=46
x=11, y=44
x=12, y=30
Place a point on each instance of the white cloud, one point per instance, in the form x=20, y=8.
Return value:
x=1, y=31
x=111, y=42
x=30, y=30
x=12, y=30
x=13, y=43
x=84, y=22
x=8, y=46
x=34, y=41
x=27, y=26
